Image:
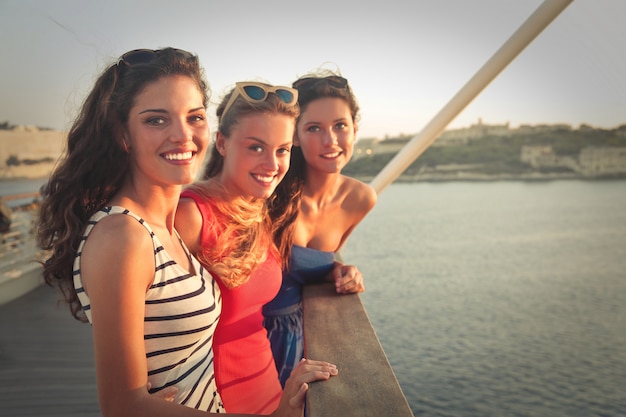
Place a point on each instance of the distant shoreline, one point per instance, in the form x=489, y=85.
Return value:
x=475, y=177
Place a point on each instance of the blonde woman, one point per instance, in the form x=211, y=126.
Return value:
x=223, y=220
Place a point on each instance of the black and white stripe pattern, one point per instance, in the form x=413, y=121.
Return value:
x=181, y=313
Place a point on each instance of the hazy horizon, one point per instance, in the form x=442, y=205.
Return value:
x=390, y=136
x=404, y=60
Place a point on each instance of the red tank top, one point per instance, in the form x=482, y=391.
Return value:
x=245, y=371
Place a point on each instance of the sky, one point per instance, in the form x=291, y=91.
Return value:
x=405, y=59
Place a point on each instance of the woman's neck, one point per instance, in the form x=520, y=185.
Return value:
x=320, y=188
x=156, y=205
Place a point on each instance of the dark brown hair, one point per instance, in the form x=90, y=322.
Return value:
x=284, y=204
x=95, y=162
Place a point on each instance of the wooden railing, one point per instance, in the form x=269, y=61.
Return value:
x=337, y=329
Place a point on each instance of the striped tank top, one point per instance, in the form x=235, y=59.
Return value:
x=181, y=313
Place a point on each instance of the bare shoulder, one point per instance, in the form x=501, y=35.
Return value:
x=358, y=195
x=187, y=212
x=122, y=244
x=188, y=223
x=120, y=230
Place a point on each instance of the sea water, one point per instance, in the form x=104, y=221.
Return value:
x=20, y=186
x=500, y=298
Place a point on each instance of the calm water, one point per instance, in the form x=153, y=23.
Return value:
x=8, y=187
x=500, y=299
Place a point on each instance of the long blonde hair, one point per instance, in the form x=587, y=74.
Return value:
x=242, y=236
x=245, y=232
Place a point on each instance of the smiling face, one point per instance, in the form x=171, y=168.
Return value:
x=256, y=155
x=167, y=132
x=326, y=134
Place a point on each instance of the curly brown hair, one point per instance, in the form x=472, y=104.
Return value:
x=95, y=162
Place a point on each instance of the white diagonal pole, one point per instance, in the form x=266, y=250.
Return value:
x=528, y=31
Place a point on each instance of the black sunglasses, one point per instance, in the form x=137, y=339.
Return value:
x=310, y=82
x=145, y=56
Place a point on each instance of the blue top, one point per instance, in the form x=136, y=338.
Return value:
x=308, y=266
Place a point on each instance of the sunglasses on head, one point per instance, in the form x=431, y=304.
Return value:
x=310, y=82
x=145, y=56
x=256, y=93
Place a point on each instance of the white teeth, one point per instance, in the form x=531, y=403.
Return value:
x=263, y=178
x=331, y=155
x=178, y=156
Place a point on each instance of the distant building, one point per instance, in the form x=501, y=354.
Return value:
x=531, y=129
x=591, y=162
x=537, y=155
x=543, y=156
x=599, y=161
x=477, y=131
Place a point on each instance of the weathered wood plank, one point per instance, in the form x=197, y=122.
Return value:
x=337, y=329
x=46, y=359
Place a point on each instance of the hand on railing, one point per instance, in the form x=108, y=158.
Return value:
x=348, y=279
x=294, y=393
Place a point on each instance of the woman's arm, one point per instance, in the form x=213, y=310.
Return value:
x=188, y=223
x=347, y=278
x=296, y=386
x=117, y=267
x=358, y=202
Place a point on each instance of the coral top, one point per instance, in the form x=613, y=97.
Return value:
x=245, y=371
